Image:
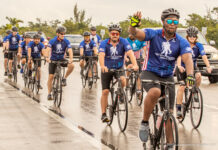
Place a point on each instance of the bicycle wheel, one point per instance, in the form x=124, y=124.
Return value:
x=33, y=81
x=25, y=75
x=95, y=72
x=131, y=88
x=122, y=110
x=90, y=79
x=139, y=96
x=37, y=87
x=110, y=110
x=169, y=134
x=58, y=97
x=196, y=109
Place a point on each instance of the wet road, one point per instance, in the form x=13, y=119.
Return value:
x=81, y=108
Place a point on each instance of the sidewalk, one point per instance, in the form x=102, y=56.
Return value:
x=24, y=126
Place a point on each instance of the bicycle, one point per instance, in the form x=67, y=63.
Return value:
x=33, y=81
x=89, y=66
x=14, y=65
x=192, y=101
x=117, y=102
x=25, y=74
x=57, y=82
x=158, y=132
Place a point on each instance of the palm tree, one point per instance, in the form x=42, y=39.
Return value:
x=14, y=21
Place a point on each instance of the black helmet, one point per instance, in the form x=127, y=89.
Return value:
x=27, y=36
x=14, y=29
x=37, y=36
x=40, y=32
x=86, y=33
x=93, y=28
x=8, y=31
x=192, y=31
x=61, y=29
x=115, y=27
x=168, y=12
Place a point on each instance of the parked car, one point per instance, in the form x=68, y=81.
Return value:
x=75, y=40
x=1, y=40
x=212, y=55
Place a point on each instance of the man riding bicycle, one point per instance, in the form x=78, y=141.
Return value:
x=23, y=50
x=197, y=49
x=57, y=47
x=165, y=46
x=111, y=56
x=35, y=49
x=13, y=41
x=87, y=48
x=137, y=47
x=8, y=32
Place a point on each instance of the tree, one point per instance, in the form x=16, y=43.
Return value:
x=14, y=21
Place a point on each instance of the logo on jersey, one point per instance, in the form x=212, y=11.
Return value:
x=193, y=54
x=26, y=48
x=58, y=48
x=166, y=49
x=14, y=40
x=35, y=49
x=113, y=51
x=134, y=46
x=87, y=46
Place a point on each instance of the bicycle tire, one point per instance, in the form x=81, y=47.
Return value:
x=200, y=101
x=125, y=108
x=95, y=74
x=163, y=136
x=25, y=75
x=110, y=105
x=184, y=107
x=132, y=85
x=58, y=98
x=139, y=99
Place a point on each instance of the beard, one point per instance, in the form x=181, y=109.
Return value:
x=168, y=32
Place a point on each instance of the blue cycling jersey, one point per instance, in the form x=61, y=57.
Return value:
x=88, y=47
x=35, y=49
x=58, y=48
x=136, y=44
x=24, y=48
x=5, y=39
x=114, y=56
x=197, y=50
x=42, y=39
x=162, y=54
x=13, y=41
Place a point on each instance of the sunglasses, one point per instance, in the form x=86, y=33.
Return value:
x=194, y=36
x=113, y=34
x=170, y=21
x=62, y=33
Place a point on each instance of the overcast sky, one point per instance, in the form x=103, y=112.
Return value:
x=101, y=11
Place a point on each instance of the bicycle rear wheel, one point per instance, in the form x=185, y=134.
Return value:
x=122, y=110
x=37, y=87
x=169, y=134
x=110, y=110
x=196, y=109
x=25, y=75
x=95, y=72
x=130, y=89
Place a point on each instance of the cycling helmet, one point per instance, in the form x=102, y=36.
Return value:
x=61, y=29
x=192, y=31
x=14, y=29
x=8, y=31
x=93, y=28
x=37, y=36
x=168, y=12
x=115, y=27
x=86, y=33
x=27, y=36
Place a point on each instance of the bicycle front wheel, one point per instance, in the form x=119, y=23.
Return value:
x=95, y=72
x=58, y=94
x=169, y=135
x=122, y=110
x=110, y=105
x=196, y=108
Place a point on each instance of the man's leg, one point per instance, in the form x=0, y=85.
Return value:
x=198, y=79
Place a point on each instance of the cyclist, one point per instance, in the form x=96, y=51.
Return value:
x=111, y=56
x=95, y=37
x=8, y=32
x=42, y=39
x=35, y=49
x=197, y=49
x=165, y=46
x=87, y=48
x=13, y=41
x=23, y=50
x=58, y=47
x=137, y=47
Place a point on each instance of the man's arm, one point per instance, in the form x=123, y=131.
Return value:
x=132, y=57
x=95, y=51
x=29, y=53
x=187, y=59
x=70, y=51
x=138, y=33
x=81, y=51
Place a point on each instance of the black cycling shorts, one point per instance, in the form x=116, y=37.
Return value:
x=107, y=77
x=5, y=55
x=147, y=75
x=52, y=67
x=10, y=55
x=37, y=61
